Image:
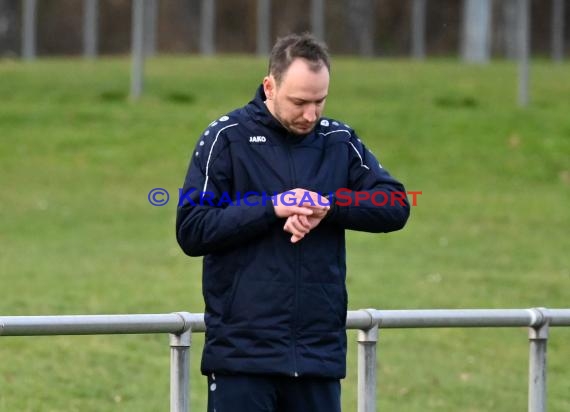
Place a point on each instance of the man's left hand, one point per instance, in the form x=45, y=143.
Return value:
x=300, y=225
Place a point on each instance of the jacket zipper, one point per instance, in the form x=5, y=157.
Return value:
x=297, y=270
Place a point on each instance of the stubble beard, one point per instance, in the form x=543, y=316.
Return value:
x=289, y=126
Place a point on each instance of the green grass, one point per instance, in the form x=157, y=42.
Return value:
x=78, y=236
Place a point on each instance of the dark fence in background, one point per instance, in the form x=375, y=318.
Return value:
x=471, y=28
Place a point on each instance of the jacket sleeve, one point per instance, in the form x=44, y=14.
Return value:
x=374, y=201
x=210, y=218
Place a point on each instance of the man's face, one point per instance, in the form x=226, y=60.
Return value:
x=298, y=101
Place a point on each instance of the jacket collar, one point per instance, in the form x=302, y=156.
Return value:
x=260, y=113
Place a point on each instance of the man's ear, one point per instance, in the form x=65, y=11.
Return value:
x=269, y=87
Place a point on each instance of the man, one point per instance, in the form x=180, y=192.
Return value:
x=259, y=204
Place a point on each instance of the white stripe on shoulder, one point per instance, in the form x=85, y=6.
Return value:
x=210, y=154
x=350, y=143
x=361, y=161
x=335, y=131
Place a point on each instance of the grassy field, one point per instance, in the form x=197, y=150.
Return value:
x=78, y=236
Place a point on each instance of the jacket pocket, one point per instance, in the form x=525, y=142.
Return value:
x=231, y=296
x=323, y=307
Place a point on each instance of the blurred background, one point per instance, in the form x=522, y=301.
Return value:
x=367, y=27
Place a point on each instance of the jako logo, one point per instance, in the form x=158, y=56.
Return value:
x=257, y=139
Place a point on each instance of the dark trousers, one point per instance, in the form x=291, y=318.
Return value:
x=252, y=393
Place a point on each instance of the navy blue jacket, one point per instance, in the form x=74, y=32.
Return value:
x=274, y=307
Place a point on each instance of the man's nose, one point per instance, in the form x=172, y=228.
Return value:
x=310, y=113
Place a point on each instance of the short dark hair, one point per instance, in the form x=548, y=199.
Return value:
x=293, y=46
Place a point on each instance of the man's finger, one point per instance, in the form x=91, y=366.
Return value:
x=295, y=238
x=304, y=221
x=295, y=226
x=300, y=210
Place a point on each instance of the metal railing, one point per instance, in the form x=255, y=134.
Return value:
x=181, y=325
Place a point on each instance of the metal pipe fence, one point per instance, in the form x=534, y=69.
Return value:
x=368, y=322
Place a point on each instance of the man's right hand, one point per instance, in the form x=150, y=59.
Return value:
x=298, y=202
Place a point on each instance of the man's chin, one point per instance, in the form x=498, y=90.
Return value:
x=300, y=130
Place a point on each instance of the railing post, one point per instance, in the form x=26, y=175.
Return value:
x=538, y=339
x=523, y=45
x=90, y=28
x=419, y=29
x=180, y=371
x=263, y=27
x=207, y=27
x=137, y=48
x=318, y=19
x=29, y=23
x=367, y=369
